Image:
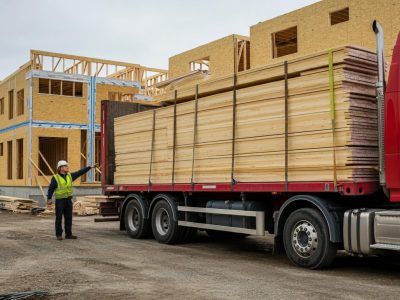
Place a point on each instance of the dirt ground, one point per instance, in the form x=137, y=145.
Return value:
x=105, y=263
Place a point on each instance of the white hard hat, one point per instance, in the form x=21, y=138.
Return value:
x=62, y=163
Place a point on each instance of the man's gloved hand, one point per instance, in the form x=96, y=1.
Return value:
x=49, y=202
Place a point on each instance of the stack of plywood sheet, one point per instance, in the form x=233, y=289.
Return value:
x=89, y=205
x=184, y=82
x=17, y=205
x=259, y=131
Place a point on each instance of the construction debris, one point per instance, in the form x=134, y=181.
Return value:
x=24, y=295
x=17, y=205
x=89, y=205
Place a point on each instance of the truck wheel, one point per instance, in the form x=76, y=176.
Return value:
x=165, y=228
x=306, y=239
x=136, y=225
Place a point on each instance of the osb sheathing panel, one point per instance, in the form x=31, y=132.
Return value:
x=70, y=109
x=220, y=53
x=20, y=133
x=316, y=34
x=15, y=83
x=57, y=108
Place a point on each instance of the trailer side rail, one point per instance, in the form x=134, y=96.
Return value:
x=259, y=215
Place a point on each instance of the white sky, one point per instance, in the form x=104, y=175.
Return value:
x=143, y=32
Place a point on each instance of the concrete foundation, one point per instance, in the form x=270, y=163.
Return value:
x=34, y=193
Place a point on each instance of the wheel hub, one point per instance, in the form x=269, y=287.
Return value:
x=304, y=239
x=162, y=221
x=134, y=219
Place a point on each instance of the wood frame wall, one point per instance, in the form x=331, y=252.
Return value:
x=81, y=65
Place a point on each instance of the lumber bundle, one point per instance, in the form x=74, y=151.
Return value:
x=184, y=82
x=17, y=205
x=89, y=205
x=323, y=127
x=272, y=72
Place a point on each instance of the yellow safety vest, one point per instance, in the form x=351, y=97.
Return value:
x=64, y=186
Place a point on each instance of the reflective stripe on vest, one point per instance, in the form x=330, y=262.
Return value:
x=64, y=186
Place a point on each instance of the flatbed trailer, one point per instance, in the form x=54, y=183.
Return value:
x=310, y=220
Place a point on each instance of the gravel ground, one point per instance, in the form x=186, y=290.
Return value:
x=105, y=263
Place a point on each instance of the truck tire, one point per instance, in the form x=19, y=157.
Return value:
x=136, y=225
x=306, y=239
x=165, y=228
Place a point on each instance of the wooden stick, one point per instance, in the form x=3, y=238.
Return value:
x=40, y=171
x=45, y=161
x=96, y=168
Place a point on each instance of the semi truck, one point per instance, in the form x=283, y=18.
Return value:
x=310, y=221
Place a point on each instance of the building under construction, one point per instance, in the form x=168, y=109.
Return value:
x=50, y=110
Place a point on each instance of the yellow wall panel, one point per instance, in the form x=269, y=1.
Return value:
x=20, y=133
x=315, y=32
x=220, y=53
x=15, y=82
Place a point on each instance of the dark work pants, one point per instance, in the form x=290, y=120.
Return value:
x=64, y=207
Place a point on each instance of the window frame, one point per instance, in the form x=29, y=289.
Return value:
x=345, y=10
x=275, y=50
x=20, y=102
x=2, y=106
x=74, y=90
x=11, y=104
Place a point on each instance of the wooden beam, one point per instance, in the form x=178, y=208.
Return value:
x=47, y=164
x=83, y=58
x=96, y=168
x=41, y=188
x=40, y=171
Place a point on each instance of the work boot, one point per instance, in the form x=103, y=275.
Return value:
x=71, y=237
x=59, y=238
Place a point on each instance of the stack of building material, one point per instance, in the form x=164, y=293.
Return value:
x=259, y=131
x=89, y=205
x=184, y=82
x=270, y=73
x=17, y=205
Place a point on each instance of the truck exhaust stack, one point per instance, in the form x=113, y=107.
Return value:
x=380, y=97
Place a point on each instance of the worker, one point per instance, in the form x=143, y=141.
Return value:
x=61, y=187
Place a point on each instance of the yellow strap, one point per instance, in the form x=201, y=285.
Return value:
x=332, y=106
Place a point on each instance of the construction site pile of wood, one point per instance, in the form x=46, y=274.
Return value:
x=89, y=205
x=308, y=119
x=17, y=205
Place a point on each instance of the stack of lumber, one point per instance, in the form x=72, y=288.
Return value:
x=17, y=205
x=184, y=82
x=258, y=141
x=89, y=205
